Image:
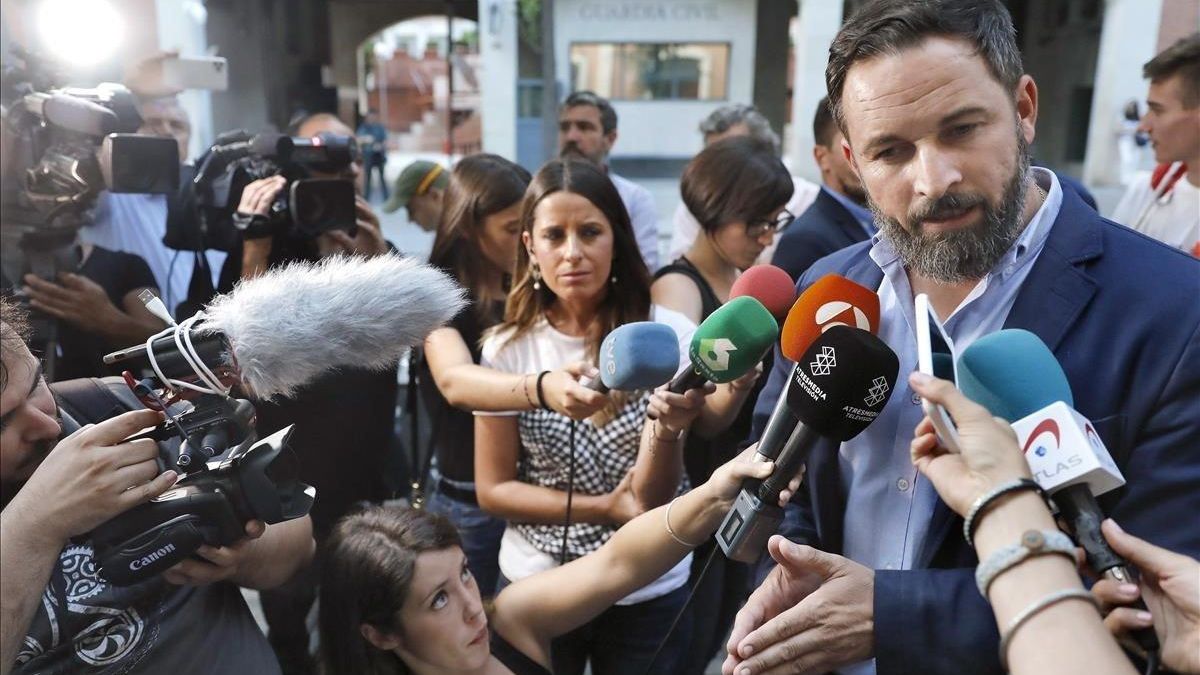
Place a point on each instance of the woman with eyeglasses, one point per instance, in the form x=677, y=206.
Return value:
x=738, y=189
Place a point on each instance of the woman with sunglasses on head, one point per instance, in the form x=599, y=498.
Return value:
x=579, y=275
x=738, y=189
x=398, y=598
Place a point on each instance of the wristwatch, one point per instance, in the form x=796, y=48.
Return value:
x=253, y=225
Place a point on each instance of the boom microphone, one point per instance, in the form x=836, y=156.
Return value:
x=281, y=330
x=768, y=284
x=638, y=355
x=726, y=345
x=830, y=301
x=838, y=388
x=1014, y=375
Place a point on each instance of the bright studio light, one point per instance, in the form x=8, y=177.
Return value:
x=80, y=32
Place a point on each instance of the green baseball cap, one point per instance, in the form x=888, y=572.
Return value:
x=416, y=179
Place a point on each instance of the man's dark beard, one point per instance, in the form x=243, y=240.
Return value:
x=968, y=253
x=571, y=149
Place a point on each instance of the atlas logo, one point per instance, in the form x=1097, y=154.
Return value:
x=151, y=557
x=714, y=352
x=841, y=313
x=1048, y=426
x=825, y=362
x=878, y=391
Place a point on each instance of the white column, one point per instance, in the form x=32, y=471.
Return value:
x=1128, y=40
x=498, y=84
x=817, y=25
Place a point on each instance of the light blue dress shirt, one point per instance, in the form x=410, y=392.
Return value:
x=889, y=506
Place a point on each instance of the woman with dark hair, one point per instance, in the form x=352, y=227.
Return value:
x=578, y=276
x=476, y=243
x=398, y=598
x=737, y=188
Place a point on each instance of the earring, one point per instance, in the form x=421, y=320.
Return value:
x=614, y=279
x=536, y=273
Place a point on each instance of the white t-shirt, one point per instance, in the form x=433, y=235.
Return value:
x=684, y=227
x=603, y=456
x=1174, y=219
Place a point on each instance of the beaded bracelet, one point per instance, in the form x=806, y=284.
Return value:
x=986, y=500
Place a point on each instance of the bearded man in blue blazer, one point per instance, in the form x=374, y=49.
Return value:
x=938, y=115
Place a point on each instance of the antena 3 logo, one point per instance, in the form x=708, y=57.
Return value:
x=714, y=352
x=841, y=313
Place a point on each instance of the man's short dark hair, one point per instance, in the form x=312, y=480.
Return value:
x=823, y=126
x=14, y=331
x=608, y=116
x=889, y=26
x=1183, y=59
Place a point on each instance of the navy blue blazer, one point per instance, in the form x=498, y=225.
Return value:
x=1121, y=312
x=824, y=227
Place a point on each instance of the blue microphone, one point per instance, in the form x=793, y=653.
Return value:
x=1015, y=376
x=638, y=355
x=1012, y=373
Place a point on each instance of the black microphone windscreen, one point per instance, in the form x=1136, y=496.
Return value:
x=842, y=382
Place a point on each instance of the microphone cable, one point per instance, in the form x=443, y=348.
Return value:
x=679, y=615
x=562, y=556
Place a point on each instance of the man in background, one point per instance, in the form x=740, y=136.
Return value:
x=1165, y=204
x=736, y=119
x=419, y=189
x=839, y=215
x=587, y=128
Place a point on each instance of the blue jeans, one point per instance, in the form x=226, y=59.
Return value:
x=622, y=639
x=480, y=533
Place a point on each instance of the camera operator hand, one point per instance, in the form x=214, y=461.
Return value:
x=90, y=477
x=368, y=241
x=84, y=304
x=256, y=200
x=219, y=562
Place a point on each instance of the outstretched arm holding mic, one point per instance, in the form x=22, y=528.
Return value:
x=990, y=458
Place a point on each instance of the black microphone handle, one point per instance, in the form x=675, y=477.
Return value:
x=597, y=385
x=1081, y=511
x=688, y=379
x=797, y=449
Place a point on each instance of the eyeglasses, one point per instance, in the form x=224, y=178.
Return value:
x=759, y=228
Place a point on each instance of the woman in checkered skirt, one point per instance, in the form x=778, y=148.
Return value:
x=578, y=276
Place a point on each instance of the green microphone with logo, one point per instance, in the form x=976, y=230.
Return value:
x=728, y=344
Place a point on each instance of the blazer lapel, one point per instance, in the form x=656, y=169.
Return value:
x=1051, y=299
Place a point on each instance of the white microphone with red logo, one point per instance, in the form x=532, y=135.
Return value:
x=1014, y=375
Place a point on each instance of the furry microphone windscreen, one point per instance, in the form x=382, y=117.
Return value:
x=297, y=322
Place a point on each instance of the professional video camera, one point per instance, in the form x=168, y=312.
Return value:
x=307, y=207
x=229, y=476
x=62, y=148
x=68, y=144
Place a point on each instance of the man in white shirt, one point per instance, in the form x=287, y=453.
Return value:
x=587, y=128
x=1165, y=204
x=736, y=119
